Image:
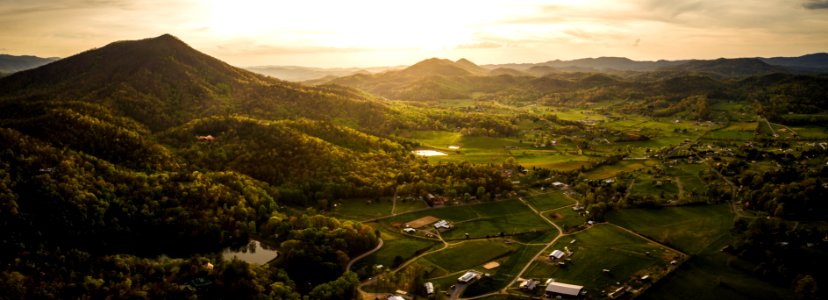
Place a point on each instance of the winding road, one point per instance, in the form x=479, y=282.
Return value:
x=363, y=255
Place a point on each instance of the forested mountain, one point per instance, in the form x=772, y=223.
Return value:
x=299, y=74
x=12, y=63
x=161, y=82
x=739, y=67
x=817, y=62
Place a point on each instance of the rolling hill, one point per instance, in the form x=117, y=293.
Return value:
x=12, y=63
x=739, y=67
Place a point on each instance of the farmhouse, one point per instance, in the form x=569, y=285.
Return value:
x=557, y=254
x=563, y=289
x=559, y=185
x=442, y=224
x=468, y=277
x=409, y=230
x=429, y=288
x=529, y=285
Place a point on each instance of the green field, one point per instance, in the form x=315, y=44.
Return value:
x=688, y=175
x=708, y=276
x=700, y=231
x=688, y=228
x=659, y=188
x=549, y=200
x=470, y=254
x=509, y=268
x=551, y=159
x=604, y=246
x=568, y=219
x=627, y=166
x=365, y=209
x=510, y=217
x=811, y=133
x=395, y=244
x=362, y=209
x=740, y=131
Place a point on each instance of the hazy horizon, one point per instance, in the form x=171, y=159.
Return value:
x=379, y=33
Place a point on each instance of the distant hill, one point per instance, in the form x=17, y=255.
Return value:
x=432, y=78
x=442, y=67
x=162, y=82
x=298, y=74
x=730, y=67
x=11, y=63
x=738, y=67
x=817, y=62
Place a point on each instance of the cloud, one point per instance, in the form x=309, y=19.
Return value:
x=816, y=4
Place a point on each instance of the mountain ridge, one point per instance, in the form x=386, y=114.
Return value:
x=162, y=82
x=14, y=63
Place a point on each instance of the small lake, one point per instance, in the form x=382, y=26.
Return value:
x=253, y=253
x=427, y=153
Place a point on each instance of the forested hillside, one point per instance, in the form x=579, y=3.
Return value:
x=120, y=154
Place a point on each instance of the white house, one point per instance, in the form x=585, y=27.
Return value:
x=442, y=224
x=468, y=277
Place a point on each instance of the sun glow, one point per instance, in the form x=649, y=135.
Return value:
x=428, y=25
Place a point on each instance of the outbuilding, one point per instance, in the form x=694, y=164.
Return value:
x=564, y=289
x=557, y=254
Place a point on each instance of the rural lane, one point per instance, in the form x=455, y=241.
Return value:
x=363, y=255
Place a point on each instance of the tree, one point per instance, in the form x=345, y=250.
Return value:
x=806, y=288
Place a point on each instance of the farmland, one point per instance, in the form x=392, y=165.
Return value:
x=673, y=167
x=600, y=247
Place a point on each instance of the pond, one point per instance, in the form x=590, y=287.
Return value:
x=427, y=153
x=253, y=253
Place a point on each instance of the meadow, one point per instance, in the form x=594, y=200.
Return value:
x=688, y=228
x=604, y=246
x=511, y=217
x=549, y=200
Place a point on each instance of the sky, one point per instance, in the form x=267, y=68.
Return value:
x=338, y=33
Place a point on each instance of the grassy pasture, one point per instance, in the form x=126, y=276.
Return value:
x=395, y=244
x=628, y=166
x=480, y=220
x=709, y=277
x=688, y=174
x=811, y=133
x=740, y=131
x=362, y=209
x=566, y=218
x=470, y=254
x=687, y=228
x=509, y=268
x=550, y=159
x=603, y=246
x=549, y=200
x=649, y=186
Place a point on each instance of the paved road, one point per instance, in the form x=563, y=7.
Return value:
x=363, y=255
